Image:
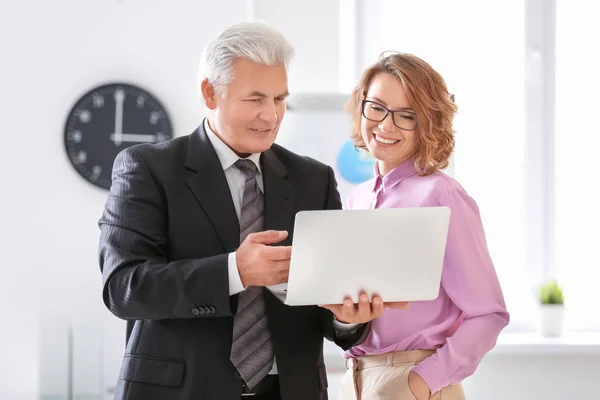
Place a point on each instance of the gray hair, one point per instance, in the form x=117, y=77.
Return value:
x=255, y=41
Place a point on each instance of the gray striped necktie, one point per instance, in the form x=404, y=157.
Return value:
x=252, y=350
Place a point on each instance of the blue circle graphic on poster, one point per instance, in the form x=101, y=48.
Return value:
x=355, y=166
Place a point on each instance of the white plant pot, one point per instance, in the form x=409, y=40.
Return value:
x=552, y=319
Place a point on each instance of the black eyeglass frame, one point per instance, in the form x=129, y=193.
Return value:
x=388, y=111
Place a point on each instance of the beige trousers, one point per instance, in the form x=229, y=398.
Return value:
x=385, y=377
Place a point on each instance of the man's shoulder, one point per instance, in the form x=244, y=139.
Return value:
x=158, y=154
x=296, y=161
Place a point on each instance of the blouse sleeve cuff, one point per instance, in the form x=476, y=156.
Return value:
x=432, y=374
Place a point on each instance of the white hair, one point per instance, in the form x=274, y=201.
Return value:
x=255, y=41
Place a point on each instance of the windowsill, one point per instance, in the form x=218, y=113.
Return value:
x=572, y=343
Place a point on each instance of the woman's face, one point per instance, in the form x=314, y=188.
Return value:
x=385, y=140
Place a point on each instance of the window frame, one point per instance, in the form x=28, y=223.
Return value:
x=539, y=85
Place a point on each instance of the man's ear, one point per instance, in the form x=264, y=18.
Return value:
x=208, y=93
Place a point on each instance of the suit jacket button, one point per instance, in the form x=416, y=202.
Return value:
x=212, y=309
x=237, y=376
x=207, y=310
x=197, y=311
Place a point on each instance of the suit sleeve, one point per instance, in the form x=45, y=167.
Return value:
x=138, y=280
x=344, y=338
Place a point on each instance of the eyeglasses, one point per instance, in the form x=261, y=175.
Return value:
x=405, y=120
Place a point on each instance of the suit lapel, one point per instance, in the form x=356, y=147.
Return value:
x=279, y=195
x=210, y=187
x=279, y=215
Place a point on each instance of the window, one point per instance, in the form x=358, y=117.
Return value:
x=482, y=61
x=576, y=214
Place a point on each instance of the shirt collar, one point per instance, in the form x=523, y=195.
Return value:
x=395, y=176
x=226, y=156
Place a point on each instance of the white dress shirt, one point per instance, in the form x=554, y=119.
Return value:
x=236, y=179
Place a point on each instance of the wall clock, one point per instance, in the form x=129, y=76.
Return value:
x=108, y=119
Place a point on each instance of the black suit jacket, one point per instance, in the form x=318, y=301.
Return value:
x=166, y=231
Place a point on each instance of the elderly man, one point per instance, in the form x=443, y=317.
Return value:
x=195, y=229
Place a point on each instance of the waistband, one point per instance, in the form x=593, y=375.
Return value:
x=393, y=358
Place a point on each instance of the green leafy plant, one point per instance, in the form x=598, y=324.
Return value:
x=551, y=293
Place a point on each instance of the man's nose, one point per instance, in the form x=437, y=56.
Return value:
x=269, y=112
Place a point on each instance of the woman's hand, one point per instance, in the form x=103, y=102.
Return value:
x=418, y=387
x=364, y=311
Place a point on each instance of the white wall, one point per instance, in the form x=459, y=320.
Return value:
x=52, y=52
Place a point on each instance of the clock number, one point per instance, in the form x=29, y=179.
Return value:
x=75, y=136
x=96, y=171
x=155, y=116
x=97, y=100
x=119, y=95
x=141, y=100
x=84, y=116
x=80, y=157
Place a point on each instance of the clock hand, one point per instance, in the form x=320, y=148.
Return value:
x=119, y=99
x=133, y=138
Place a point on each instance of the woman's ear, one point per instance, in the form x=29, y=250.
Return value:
x=208, y=93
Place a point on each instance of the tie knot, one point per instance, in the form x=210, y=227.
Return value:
x=246, y=166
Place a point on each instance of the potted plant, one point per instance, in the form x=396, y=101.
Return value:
x=552, y=309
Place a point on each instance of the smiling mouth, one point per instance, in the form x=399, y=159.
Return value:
x=382, y=140
x=261, y=130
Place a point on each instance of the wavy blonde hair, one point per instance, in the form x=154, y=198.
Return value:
x=427, y=94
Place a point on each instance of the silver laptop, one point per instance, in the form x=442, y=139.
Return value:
x=396, y=253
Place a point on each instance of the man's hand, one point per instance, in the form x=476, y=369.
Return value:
x=418, y=386
x=262, y=265
x=365, y=311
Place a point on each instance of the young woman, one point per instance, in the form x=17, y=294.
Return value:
x=402, y=114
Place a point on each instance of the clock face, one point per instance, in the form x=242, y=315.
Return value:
x=105, y=121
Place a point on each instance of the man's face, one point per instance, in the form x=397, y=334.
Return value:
x=249, y=116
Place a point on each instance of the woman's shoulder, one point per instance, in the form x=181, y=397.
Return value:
x=444, y=186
